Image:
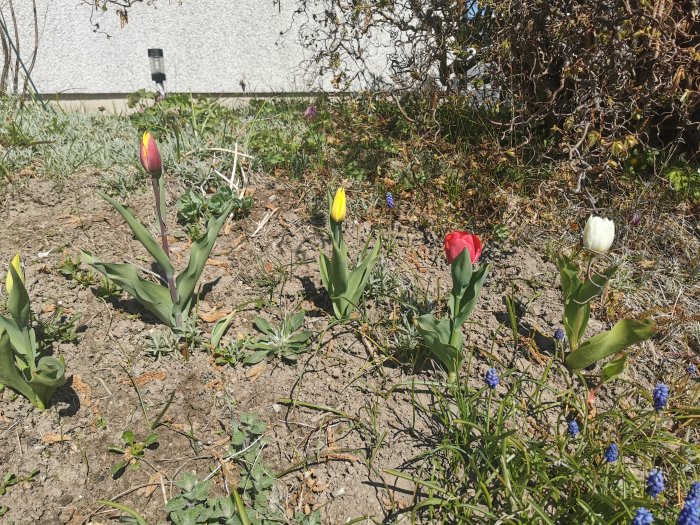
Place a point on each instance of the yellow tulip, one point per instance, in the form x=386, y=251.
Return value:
x=16, y=264
x=339, y=208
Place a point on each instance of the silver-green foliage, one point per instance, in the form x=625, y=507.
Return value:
x=285, y=340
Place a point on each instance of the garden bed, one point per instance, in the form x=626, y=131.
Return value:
x=354, y=422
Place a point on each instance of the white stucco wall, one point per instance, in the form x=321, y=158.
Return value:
x=210, y=46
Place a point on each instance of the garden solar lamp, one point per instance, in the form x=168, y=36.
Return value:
x=155, y=58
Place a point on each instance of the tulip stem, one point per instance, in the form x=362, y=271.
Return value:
x=590, y=267
x=159, y=193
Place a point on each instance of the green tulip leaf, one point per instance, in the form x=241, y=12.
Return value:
x=19, y=339
x=154, y=297
x=358, y=278
x=199, y=253
x=436, y=335
x=324, y=265
x=568, y=272
x=614, y=367
x=220, y=329
x=18, y=300
x=461, y=269
x=339, y=272
x=575, y=321
x=9, y=375
x=143, y=236
x=48, y=377
x=466, y=303
x=595, y=286
x=624, y=334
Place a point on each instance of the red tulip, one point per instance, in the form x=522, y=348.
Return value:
x=150, y=156
x=457, y=241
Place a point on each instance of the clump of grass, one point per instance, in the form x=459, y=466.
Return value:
x=509, y=454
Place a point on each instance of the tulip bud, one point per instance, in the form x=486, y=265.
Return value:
x=150, y=156
x=339, y=208
x=9, y=282
x=598, y=235
x=456, y=242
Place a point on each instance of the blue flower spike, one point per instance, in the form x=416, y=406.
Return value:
x=612, y=453
x=660, y=396
x=492, y=378
x=655, y=483
x=389, y=200
x=642, y=517
x=694, y=492
x=690, y=514
x=572, y=428
x=559, y=334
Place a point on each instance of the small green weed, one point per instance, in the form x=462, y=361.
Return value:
x=231, y=353
x=133, y=452
x=59, y=328
x=193, y=207
x=284, y=341
x=10, y=480
x=71, y=269
x=194, y=505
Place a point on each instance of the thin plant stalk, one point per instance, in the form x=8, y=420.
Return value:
x=159, y=194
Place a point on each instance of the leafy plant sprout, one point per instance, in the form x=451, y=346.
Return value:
x=285, y=340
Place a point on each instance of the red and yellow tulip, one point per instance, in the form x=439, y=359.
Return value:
x=150, y=156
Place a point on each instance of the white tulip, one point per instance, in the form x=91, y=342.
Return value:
x=598, y=235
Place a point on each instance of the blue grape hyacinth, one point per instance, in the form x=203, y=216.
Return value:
x=655, y=483
x=692, y=369
x=694, y=492
x=660, y=396
x=642, y=517
x=389, y=200
x=492, y=378
x=572, y=428
x=690, y=514
x=612, y=453
x=559, y=334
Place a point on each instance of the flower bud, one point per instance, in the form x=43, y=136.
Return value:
x=598, y=235
x=311, y=113
x=339, y=207
x=9, y=281
x=457, y=241
x=150, y=156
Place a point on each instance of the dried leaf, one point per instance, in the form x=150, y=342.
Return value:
x=254, y=372
x=149, y=377
x=213, y=316
x=153, y=483
x=52, y=437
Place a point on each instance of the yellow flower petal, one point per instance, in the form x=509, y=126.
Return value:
x=339, y=208
x=17, y=265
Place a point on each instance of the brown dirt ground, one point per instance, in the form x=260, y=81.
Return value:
x=342, y=370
